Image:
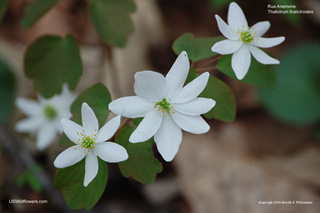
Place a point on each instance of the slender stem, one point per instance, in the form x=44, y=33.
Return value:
x=124, y=122
x=206, y=69
x=192, y=64
x=209, y=62
x=115, y=83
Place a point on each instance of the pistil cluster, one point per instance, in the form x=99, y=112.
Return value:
x=50, y=112
x=164, y=106
x=88, y=142
x=247, y=36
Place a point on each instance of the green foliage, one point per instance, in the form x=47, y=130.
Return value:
x=35, y=11
x=225, y=108
x=296, y=98
x=294, y=19
x=141, y=165
x=98, y=98
x=7, y=91
x=29, y=177
x=111, y=18
x=258, y=74
x=137, y=121
x=70, y=181
x=197, y=48
x=51, y=61
x=219, y=4
x=3, y=7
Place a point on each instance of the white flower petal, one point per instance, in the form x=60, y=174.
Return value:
x=192, y=89
x=45, y=136
x=108, y=130
x=240, y=62
x=262, y=57
x=147, y=128
x=226, y=30
x=236, y=17
x=192, y=124
x=131, y=107
x=91, y=168
x=111, y=152
x=261, y=28
x=30, y=124
x=197, y=106
x=168, y=138
x=178, y=74
x=226, y=46
x=72, y=130
x=42, y=101
x=269, y=42
x=150, y=85
x=89, y=120
x=28, y=106
x=66, y=95
x=69, y=157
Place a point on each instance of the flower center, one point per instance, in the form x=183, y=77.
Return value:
x=247, y=36
x=50, y=112
x=164, y=104
x=88, y=142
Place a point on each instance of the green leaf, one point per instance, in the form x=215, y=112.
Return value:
x=35, y=11
x=51, y=61
x=3, y=7
x=137, y=121
x=225, y=108
x=7, y=92
x=141, y=165
x=296, y=98
x=34, y=183
x=219, y=4
x=98, y=98
x=258, y=74
x=29, y=177
x=70, y=181
x=111, y=18
x=197, y=48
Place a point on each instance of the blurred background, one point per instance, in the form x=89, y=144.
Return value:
x=271, y=152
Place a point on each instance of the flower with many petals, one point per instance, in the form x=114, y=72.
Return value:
x=167, y=106
x=90, y=143
x=44, y=116
x=243, y=40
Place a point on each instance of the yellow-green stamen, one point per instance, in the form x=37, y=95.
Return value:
x=88, y=142
x=247, y=36
x=164, y=104
x=50, y=112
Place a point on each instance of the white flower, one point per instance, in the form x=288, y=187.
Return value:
x=90, y=143
x=167, y=106
x=241, y=40
x=44, y=116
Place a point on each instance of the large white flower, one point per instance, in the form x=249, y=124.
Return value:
x=241, y=40
x=167, y=106
x=90, y=143
x=44, y=116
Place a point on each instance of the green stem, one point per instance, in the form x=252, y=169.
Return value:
x=209, y=62
x=206, y=69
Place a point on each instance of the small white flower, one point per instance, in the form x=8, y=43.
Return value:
x=44, y=116
x=241, y=40
x=167, y=106
x=90, y=143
